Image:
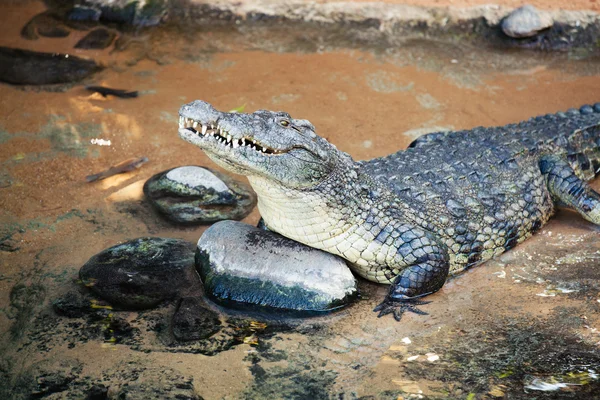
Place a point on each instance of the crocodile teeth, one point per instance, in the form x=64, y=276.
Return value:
x=204, y=129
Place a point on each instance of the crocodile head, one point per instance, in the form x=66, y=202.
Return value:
x=264, y=143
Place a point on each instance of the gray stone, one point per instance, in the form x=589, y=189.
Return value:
x=198, y=195
x=526, y=21
x=142, y=273
x=241, y=265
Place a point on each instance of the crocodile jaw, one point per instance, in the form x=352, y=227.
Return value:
x=259, y=144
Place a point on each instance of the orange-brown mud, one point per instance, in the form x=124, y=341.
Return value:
x=489, y=332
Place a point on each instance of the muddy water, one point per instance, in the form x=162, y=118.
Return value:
x=501, y=329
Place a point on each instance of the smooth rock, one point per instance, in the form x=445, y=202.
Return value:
x=526, y=21
x=24, y=67
x=193, y=321
x=198, y=195
x=141, y=273
x=241, y=265
x=97, y=39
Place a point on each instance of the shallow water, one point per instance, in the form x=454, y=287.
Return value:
x=500, y=329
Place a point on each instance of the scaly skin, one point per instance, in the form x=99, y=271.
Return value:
x=449, y=201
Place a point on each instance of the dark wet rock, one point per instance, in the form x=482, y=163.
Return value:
x=193, y=321
x=118, y=329
x=48, y=377
x=97, y=392
x=525, y=22
x=84, y=13
x=245, y=266
x=45, y=24
x=198, y=195
x=141, y=273
x=72, y=305
x=97, y=39
x=24, y=67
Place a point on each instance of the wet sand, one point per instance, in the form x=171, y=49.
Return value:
x=367, y=103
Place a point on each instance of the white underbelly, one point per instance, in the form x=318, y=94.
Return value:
x=307, y=219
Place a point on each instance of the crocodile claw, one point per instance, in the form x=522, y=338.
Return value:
x=399, y=307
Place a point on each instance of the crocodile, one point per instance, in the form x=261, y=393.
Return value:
x=449, y=201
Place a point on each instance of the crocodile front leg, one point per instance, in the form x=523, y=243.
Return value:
x=568, y=189
x=427, y=274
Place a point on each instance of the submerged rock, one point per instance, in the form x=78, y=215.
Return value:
x=193, y=321
x=24, y=67
x=198, y=195
x=45, y=24
x=97, y=39
x=525, y=22
x=246, y=266
x=141, y=273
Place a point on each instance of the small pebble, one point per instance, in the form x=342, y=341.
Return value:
x=525, y=22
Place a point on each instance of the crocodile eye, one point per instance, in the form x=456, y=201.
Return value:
x=284, y=122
